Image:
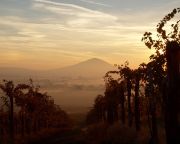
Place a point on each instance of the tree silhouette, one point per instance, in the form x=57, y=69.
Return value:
x=138, y=75
x=11, y=91
x=173, y=95
x=111, y=96
x=167, y=62
x=35, y=111
x=127, y=74
x=122, y=100
x=99, y=107
x=153, y=87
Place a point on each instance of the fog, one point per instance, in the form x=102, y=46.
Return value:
x=74, y=88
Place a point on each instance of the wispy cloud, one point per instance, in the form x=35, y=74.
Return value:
x=72, y=6
x=51, y=30
x=77, y=16
x=95, y=3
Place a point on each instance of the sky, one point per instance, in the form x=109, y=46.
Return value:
x=48, y=34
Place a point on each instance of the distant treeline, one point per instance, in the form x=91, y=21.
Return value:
x=25, y=111
x=149, y=94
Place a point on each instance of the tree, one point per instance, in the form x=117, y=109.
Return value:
x=121, y=94
x=151, y=95
x=173, y=95
x=138, y=75
x=11, y=91
x=126, y=73
x=111, y=96
x=167, y=47
x=99, y=106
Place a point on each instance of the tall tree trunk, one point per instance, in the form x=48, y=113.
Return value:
x=28, y=124
x=154, y=124
x=115, y=113
x=22, y=122
x=150, y=94
x=136, y=106
x=173, y=98
x=11, y=119
x=122, y=101
x=123, y=110
x=110, y=114
x=1, y=128
x=104, y=114
x=129, y=102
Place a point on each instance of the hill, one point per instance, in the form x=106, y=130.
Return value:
x=92, y=68
x=72, y=86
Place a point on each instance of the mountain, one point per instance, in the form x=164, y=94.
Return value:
x=91, y=68
x=72, y=86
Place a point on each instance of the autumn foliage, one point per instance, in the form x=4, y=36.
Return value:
x=26, y=111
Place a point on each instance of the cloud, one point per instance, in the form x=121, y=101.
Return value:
x=77, y=16
x=66, y=31
x=95, y=3
x=67, y=5
x=80, y=19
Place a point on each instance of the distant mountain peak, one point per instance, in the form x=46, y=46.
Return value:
x=93, y=67
x=94, y=61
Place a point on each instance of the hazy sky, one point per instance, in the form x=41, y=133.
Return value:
x=45, y=34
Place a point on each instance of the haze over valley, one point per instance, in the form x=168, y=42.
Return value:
x=89, y=71
x=72, y=87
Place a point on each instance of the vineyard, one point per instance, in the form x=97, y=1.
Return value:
x=138, y=105
x=149, y=95
x=35, y=112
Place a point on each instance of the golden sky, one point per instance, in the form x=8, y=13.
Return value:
x=47, y=34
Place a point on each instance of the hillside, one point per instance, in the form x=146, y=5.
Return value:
x=80, y=82
x=92, y=68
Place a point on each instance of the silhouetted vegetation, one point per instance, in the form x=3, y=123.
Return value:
x=27, y=111
x=146, y=96
x=139, y=106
